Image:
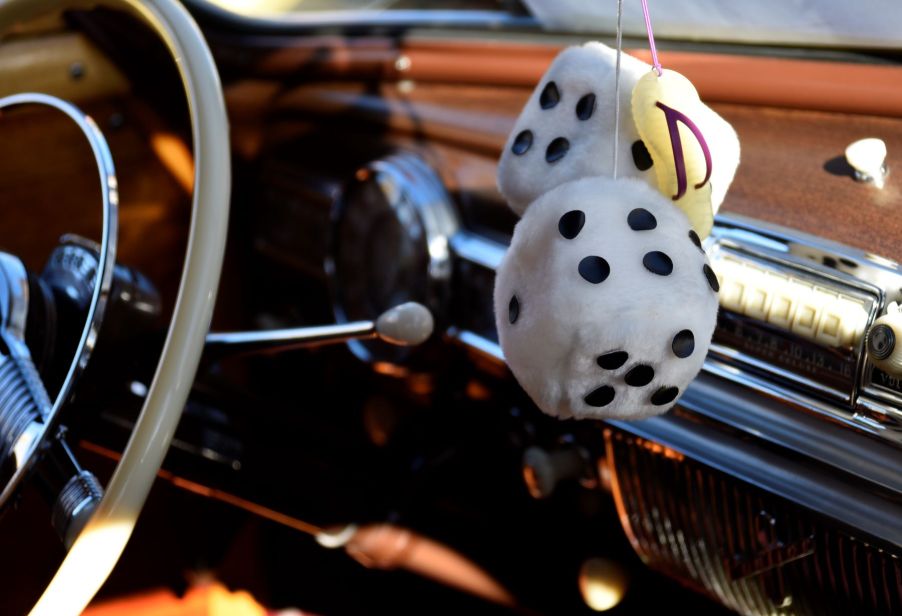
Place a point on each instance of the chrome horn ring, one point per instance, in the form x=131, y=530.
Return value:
x=104, y=277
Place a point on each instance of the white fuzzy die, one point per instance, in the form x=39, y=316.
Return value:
x=526, y=173
x=555, y=323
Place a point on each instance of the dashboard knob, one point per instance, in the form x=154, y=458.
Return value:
x=884, y=341
x=543, y=470
x=409, y=324
x=868, y=158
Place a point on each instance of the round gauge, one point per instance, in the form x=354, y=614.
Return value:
x=391, y=233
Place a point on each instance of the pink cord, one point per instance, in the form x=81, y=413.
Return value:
x=651, y=38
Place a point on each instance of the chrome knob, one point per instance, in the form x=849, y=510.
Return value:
x=73, y=507
x=883, y=341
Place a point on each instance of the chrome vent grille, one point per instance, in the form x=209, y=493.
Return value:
x=752, y=551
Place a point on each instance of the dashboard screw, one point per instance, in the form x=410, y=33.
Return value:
x=76, y=70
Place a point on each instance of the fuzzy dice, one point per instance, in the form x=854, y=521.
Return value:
x=605, y=302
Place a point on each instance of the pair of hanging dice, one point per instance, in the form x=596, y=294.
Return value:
x=605, y=302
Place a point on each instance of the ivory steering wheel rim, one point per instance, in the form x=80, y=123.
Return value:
x=97, y=549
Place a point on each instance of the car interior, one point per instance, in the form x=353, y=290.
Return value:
x=249, y=359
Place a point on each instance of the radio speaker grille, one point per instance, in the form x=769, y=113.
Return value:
x=754, y=552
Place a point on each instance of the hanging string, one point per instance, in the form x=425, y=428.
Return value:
x=651, y=38
x=617, y=84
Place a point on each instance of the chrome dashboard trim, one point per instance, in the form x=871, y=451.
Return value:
x=805, y=432
x=485, y=347
x=478, y=250
x=813, y=425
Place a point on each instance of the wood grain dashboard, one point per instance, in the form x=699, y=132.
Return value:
x=456, y=101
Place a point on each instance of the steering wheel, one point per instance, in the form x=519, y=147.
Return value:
x=98, y=547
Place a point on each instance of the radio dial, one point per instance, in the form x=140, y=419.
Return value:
x=883, y=338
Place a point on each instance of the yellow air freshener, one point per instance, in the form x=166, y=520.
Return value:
x=666, y=108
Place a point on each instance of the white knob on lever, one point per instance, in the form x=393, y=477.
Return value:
x=407, y=324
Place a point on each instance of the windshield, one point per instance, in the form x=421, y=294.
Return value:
x=831, y=23
x=275, y=8
x=835, y=23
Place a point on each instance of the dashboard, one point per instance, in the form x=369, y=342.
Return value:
x=364, y=163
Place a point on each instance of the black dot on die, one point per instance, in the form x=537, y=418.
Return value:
x=522, y=143
x=641, y=157
x=683, y=344
x=639, y=376
x=594, y=269
x=612, y=360
x=657, y=263
x=641, y=219
x=602, y=396
x=557, y=150
x=585, y=107
x=665, y=395
x=550, y=96
x=712, y=278
x=571, y=223
x=695, y=239
x=513, y=310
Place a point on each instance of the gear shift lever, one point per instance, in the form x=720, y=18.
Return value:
x=407, y=324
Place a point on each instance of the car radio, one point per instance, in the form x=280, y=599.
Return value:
x=796, y=315
x=796, y=309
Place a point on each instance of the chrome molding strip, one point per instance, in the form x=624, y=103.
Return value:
x=713, y=395
x=483, y=346
x=478, y=250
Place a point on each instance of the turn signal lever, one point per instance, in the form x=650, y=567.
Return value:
x=407, y=324
x=24, y=402
x=25, y=408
